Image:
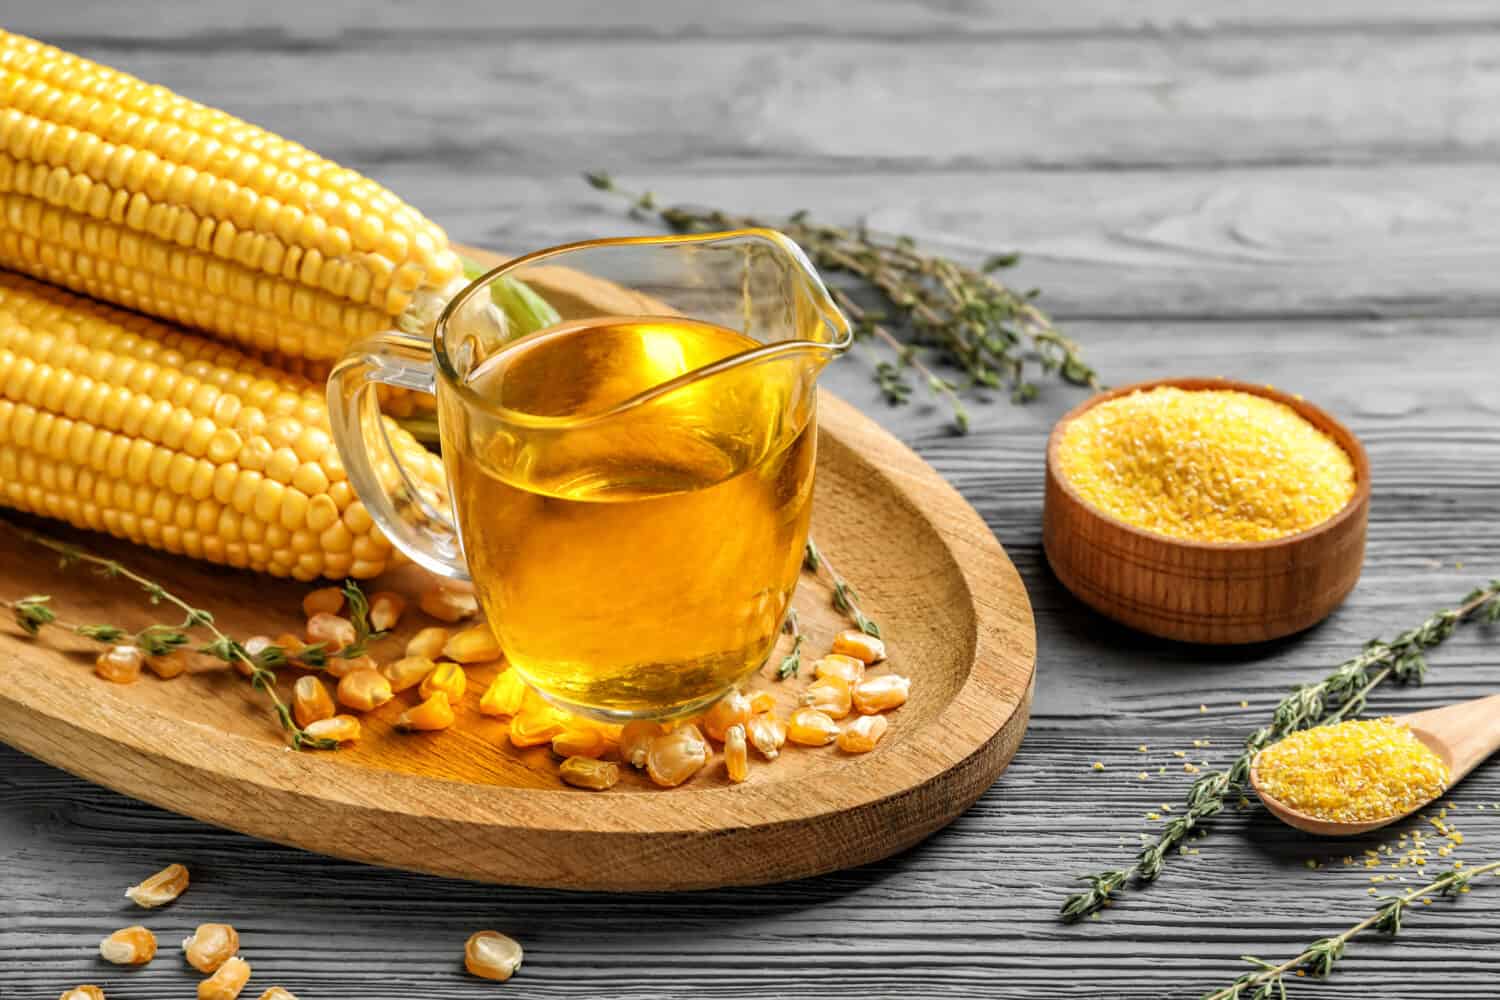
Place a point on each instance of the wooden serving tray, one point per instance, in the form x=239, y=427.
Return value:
x=465, y=803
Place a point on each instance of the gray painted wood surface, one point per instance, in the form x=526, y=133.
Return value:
x=1300, y=193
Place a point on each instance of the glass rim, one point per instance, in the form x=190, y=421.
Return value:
x=833, y=320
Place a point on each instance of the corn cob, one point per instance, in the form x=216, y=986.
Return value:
x=115, y=422
x=134, y=195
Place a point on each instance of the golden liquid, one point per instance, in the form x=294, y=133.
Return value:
x=639, y=563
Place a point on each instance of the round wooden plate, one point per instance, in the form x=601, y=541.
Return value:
x=466, y=803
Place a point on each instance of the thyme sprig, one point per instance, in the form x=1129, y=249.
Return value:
x=955, y=314
x=1341, y=694
x=34, y=612
x=844, y=597
x=1269, y=979
x=792, y=661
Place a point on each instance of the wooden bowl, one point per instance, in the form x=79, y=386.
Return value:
x=1221, y=593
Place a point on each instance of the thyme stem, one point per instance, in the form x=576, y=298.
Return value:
x=844, y=597
x=1340, y=694
x=1320, y=956
x=963, y=315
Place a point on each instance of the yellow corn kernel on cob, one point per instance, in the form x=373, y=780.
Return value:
x=118, y=423
x=134, y=195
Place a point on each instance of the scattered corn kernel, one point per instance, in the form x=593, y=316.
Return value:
x=278, y=993
x=579, y=743
x=210, y=946
x=849, y=669
x=407, y=672
x=589, y=772
x=343, y=666
x=811, y=728
x=289, y=644
x=831, y=696
x=129, y=946
x=1352, y=771
x=535, y=726
x=226, y=983
x=1192, y=464
x=505, y=695
x=447, y=677
x=83, y=993
x=310, y=701
x=863, y=647
x=364, y=690
x=762, y=702
x=448, y=604
x=169, y=665
x=330, y=631
x=767, y=734
x=880, y=694
x=736, y=754
x=324, y=601
x=432, y=714
x=159, y=889
x=385, y=610
x=861, y=735
x=492, y=955
x=676, y=755
x=343, y=728
x=120, y=664
x=476, y=644
x=428, y=643
x=731, y=710
x=635, y=740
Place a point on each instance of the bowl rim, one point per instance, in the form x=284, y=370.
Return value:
x=1312, y=413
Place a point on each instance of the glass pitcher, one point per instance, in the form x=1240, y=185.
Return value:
x=629, y=432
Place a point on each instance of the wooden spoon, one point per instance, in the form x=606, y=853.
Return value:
x=1462, y=735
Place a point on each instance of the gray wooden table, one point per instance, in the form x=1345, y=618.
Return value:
x=1299, y=193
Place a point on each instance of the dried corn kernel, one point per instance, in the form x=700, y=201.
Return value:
x=767, y=734
x=324, y=600
x=473, y=645
x=731, y=710
x=330, y=631
x=428, y=643
x=811, y=728
x=448, y=604
x=289, y=644
x=736, y=754
x=762, y=702
x=848, y=669
x=226, y=983
x=635, y=740
x=343, y=666
x=505, y=695
x=448, y=678
x=385, y=610
x=830, y=696
x=278, y=993
x=407, y=672
x=676, y=755
x=210, y=946
x=129, y=946
x=364, y=690
x=880, y=694
x=862, y=646
x=1194, y=464
x=579, y=743
x=310, y=701
x=169, y=665
x=343, y=728
x=254, y=647
x=492, y=955
x=1352, y=771
x=120, y=664
x=433, y=714
x=861, y=735
x=535, y=726
x=159, y=889
x=587, y=772
x=83, y=993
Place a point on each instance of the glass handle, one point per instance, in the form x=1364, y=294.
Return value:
x=425, y=533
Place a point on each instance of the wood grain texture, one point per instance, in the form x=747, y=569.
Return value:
x=1341, y=257
x=1200, y=592
x=467, y=803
